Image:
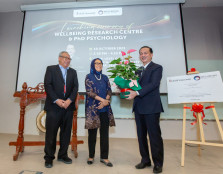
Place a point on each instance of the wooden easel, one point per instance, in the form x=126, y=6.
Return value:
x=200, y=132
x=32, y=95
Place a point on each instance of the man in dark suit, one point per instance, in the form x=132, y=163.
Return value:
x=61, y=86
x=147, y=107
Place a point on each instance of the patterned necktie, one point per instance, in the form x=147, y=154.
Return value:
x=143, y=70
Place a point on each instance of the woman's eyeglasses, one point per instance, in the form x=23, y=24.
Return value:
x=98, y=63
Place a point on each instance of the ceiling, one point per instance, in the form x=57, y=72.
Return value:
x=14, y=5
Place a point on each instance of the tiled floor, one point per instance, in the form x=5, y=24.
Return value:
x=124, y=154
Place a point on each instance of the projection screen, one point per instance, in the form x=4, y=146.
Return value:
x=103, y=32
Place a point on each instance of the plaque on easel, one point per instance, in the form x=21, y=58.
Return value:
x=193, y=91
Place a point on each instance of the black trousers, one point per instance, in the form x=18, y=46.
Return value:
x=104, y=140
x=149, y=123
x=54, y=120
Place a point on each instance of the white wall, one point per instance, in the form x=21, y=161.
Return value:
x=204, y=33
x=10, y=31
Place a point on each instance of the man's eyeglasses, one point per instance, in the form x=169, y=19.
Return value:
x=98, y=63
x=67, y=58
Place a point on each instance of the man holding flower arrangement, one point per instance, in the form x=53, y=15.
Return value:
x=147, y=107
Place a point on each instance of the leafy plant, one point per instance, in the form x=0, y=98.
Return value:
x=124, y=67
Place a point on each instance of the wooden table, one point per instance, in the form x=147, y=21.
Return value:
x=30, y=95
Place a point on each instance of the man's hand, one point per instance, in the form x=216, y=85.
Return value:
x=67, y=103
x=132, y=95
x=60, y=103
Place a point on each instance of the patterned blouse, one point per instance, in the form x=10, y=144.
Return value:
x=96, y=87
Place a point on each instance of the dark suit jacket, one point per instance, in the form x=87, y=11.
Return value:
x=148, y=101
x=54, y=87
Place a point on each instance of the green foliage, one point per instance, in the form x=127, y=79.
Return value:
x=123, y=68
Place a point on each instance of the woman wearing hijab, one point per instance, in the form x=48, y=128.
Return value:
x=98, y=111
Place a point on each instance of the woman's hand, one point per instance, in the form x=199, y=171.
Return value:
x=100, y=106
x=105, y=102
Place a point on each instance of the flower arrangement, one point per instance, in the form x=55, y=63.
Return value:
x=124, y=73
x=124, y=67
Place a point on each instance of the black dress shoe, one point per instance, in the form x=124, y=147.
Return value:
x=109, y=164
x=65, y=159
x=157, y=169
x=48, y=164
x=90, y=161
x=142, y=165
